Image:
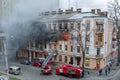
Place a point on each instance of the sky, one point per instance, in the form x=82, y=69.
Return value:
x=35, y=6
x=88, y=4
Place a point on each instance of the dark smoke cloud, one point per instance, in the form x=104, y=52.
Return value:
x=21, y=25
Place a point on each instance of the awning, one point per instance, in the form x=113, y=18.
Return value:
x=41, y=52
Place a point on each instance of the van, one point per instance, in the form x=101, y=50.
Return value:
x=14, y=70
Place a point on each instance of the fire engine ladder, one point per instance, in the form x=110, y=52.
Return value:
x=48, y=58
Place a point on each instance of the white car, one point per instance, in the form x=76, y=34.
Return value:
x=14, y=70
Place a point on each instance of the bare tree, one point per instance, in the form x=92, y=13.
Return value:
x=114, y=11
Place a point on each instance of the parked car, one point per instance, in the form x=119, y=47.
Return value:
x=26, y=62
x=36, y=63
x=14, y=70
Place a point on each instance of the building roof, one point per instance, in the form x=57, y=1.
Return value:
x=67, y=17
x=83, y=15
x=56, y=17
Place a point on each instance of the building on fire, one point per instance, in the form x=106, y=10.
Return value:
x=95, y=28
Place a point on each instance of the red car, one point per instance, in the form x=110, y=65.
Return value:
x=37, y=64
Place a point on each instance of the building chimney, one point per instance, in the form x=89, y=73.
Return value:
x=98, y=11
x=68, y=11
x=79, y=10
x=47, y=13
x=60, y=11
x=104, y=13
x=53, y=12
x=93, y=11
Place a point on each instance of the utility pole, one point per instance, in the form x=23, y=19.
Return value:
x=29, y=56
x=6, y=58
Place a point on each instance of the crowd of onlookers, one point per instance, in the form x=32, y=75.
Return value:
x=106, y=70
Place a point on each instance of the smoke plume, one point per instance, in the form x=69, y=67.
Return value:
x=20, y=25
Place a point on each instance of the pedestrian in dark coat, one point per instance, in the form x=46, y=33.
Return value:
x=100, y=72
x=106, y=71
x=109, y=69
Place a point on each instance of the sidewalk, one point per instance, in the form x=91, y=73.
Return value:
x=94, y=74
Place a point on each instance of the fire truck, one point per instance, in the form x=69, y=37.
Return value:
x=69, y=70
x=46, y=65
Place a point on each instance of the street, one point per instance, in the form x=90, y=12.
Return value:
x=33, y=73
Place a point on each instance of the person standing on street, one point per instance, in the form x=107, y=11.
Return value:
x=109, y=69
x=106, y=71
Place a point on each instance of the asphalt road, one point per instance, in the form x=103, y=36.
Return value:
x=29, y=72
x=33, y=73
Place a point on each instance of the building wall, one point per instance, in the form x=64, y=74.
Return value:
x=93, y=60
x=6, y=7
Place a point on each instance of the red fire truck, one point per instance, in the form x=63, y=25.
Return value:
x=46, y=65
x=69, y=70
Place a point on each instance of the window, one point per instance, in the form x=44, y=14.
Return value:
x=79, y=26
x=55, y=27
x=55, y=46
x=60, y=26
x=50, y=27
x=71, y=48
x=45, y=46
x=65, y=26
x=113, y=45
x=78, y=60
x=55, y=57
x=99, y=37
x=87, y=50
x=65, y=59
x=36, y=54
x=88, y=38
x=87, y=62
x=78, y=49
x=99, y=27
x=60, y=58
x=66, y=47
x=60, y=47
x=72, y=26
x=88, y=26
x=98, y=51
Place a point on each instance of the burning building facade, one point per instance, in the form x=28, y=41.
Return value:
x=94, y=28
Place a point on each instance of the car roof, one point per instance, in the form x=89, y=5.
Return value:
x=14, y=67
